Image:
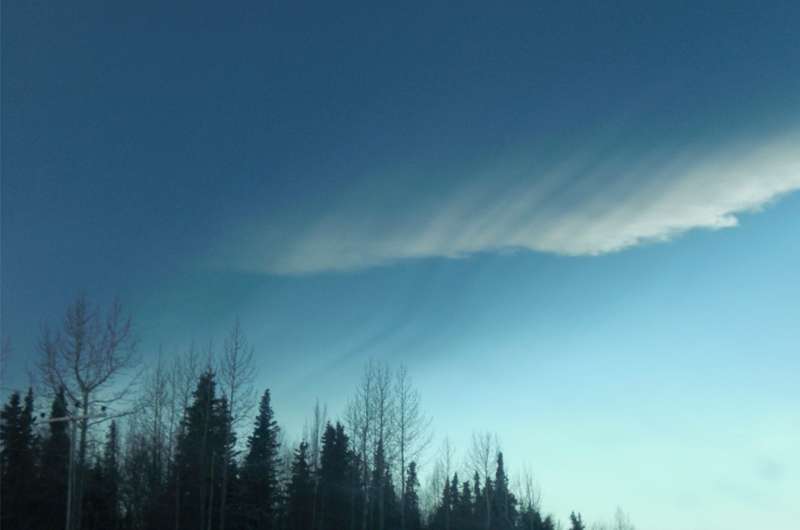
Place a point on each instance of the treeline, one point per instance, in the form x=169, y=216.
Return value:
x=178, y=448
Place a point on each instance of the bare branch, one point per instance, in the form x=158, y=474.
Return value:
x=237, y=374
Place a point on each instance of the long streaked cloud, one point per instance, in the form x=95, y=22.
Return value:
x=585, y=206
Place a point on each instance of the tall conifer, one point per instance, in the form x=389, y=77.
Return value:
x=259, y=473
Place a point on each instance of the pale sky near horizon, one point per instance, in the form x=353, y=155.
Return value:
x=576, y=224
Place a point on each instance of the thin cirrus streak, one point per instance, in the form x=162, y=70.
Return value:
x=574, y=210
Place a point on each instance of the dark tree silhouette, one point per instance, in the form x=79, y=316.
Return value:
x=464, y=508
x=443, y=516
x=102, y=502
x=52, y=483
x=300, y=508
x=576, y=523
x=411, y=507
x=17, y=461
x=136, y=481
x=259, y=476
x=199, y=457
x=87, y=358
x=504, y=505
x=337, y=496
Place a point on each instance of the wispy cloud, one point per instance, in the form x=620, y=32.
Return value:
x=582, y=207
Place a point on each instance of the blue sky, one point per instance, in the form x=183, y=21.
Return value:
x=576, y=224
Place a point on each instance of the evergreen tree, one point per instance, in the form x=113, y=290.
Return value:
x=479, y=503
x=487, y=504
x=338, y=497
x=378, y=489
x=222, y=454
x=94, y=503
x=354, y=488
x=300, y=492
x=413, y=514
x=17, y=462
x=504, y=504
x=464, y=514
x=576, y=522
x=443, y=515
x=205, y=439
x=259, y=474
x=531, y=519
x=111, y=478
x=52, y=479
x=459, y=516
x=264, y=492
x=101, y=510
x=391, y=502
x=134, y=492
x=234, y=519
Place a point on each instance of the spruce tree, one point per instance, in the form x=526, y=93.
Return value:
x=111, y=477
x=576, y=522
x=377, y=489
x=479, y=504
x=101, y=500
x=443, y=515
x=531, y=519
x=52, y=479
x=487, y=506
x=204, y=440
x=94, y=503
x=300, y=491
x=464, y=513
x=456, y=509
x=134, y=490
x=17, y=462
x=259, y=478
x=504, y=504
x=391, y=502
x=413, y=514
x=337, y=495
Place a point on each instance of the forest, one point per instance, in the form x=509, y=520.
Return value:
x=189, y=443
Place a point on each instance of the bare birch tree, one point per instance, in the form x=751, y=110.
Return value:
x=361, y=418
x=412, y=429
x=88, y=358
x=155, y=408
x=443, y=468
x=383, y=449
x=482, y=453
x=528, y=491
x=185, y=371
x=314, y=440
x=237, y=375
x=237, y=371
x=622, y=521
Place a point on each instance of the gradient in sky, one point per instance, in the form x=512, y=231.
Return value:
x=574, y=222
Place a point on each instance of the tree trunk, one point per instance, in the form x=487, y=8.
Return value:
x=224, y=495
x=365, y=508
x=402, y=482
x=177, y=499
x=211, y=491
x=79, y=475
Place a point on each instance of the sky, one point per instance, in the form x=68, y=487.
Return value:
x=576, y=223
